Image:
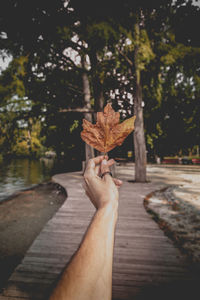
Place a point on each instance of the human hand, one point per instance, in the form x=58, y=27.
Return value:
x=101, y=191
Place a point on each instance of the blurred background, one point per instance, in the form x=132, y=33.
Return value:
x=62, y=61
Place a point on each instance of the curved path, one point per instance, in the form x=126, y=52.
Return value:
x=146, y=264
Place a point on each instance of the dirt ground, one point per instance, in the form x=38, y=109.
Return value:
x=176, y=208
x=22, y=217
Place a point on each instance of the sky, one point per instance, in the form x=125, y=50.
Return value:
x=4, y=63
x=196, y=2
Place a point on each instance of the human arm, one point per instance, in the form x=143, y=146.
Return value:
x=89, y=274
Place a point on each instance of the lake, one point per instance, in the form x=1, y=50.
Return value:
x=18, y=174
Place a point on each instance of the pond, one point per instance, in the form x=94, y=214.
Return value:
x=18, y=174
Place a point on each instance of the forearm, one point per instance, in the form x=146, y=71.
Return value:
x=89, y=274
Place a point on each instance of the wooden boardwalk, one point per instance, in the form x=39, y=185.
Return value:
x=146, y=264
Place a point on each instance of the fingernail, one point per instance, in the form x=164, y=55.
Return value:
x=104, y=162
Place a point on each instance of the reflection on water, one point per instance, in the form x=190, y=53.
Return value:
x=18, y=174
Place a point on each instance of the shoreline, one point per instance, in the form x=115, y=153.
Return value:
x=34, y=186
x=18, y=192
x=22, y=216
x=178, y=219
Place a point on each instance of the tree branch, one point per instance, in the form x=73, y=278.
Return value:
x=67, y=59
x=78, y=109
x=126, y=58
x=74, y=88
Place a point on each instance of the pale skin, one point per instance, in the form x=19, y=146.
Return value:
x=89, y=274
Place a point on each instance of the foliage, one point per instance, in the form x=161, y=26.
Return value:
x=45, y=77
x=28, y=142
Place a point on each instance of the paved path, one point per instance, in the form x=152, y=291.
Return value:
x=146, y=264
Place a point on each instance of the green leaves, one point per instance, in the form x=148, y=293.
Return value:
x=12, y=79
x=47, y=67
x=145, y=53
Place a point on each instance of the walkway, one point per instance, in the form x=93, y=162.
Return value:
x=146, y=264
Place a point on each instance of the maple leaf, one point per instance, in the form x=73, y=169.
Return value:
x=107, y=133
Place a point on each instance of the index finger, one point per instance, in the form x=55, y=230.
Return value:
x=92, y=163
x=95, y=161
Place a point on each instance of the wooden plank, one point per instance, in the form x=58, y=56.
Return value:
x=134, y=235
x=149, y=268
x=18, y=296
x=134, y=259
x=25, y=287
x=144, y=252
x=12, y=298
x=40, y=269
x=30, y=257
x=44, y=256
x=68, y=244
x=33, y=278
x=27, y=291
x=23, y=295
x=143, y=255
x=145, y=276
x=125, y=292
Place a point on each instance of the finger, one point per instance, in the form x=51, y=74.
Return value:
x=105, y=157
x=87, y=191
x=95, y=161
x=111, y=162
x=97, y=170
x=117, y=182
x=105, y=168
x=90, y=168
x=105, y=165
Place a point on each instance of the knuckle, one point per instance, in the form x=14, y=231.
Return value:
x=86, y=176
x=90, y=162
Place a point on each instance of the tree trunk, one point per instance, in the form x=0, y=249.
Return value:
x=97, y=86
x=99, y=99
x=89, y=151
x=139, y=139
x=96, y=82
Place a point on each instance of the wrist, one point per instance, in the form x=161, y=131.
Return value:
x=110, y=209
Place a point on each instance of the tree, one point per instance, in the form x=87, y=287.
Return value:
x=53, y=82
x=173, y=98
x=158, y=52
x=89, y=151
x=137, y=47
x=11, y=84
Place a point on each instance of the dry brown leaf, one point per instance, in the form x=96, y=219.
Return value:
x=107, y=133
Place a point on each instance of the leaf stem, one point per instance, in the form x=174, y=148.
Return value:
x=104, y=154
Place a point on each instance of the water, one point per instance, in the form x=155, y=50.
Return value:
x=18, y=174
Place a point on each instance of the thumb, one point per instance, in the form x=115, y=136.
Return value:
x=105, y=168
